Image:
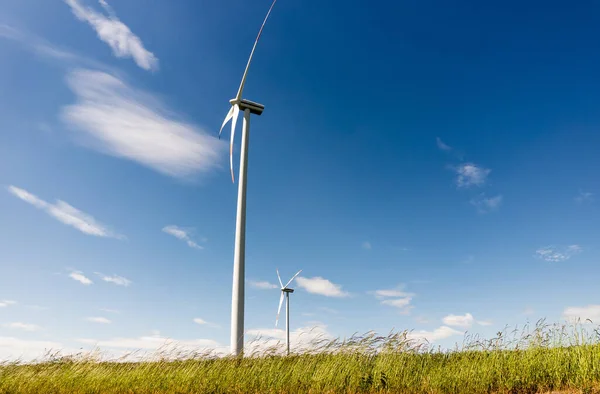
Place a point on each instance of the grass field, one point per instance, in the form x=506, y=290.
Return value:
x=560, y=358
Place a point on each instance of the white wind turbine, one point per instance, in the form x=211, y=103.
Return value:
x=285, y=290
x=249, y=107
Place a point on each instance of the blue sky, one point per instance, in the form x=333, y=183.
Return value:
x=429, y=166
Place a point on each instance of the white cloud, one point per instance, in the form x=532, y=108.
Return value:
x=26, y=350
x=584, y=197
x=555, y=254
x=66, y=214
x=470, y=174
x=591, y=312
x=5, y=303
x=101, y=320
x=528, y=311
x=442, y=332
x=80, y=277
x=486, y=204
x=484, y=323
x=116, y=34
x=465, y=321
x=203, y=322
x=22, y=326
x=263, y=285
x=392, y=293
x=321, y=286
x=441, y=145
x=181, y=234
x=366, y=245
x=116, y=279
x=121, y=121
x=396, y=298
x=156, y=345
x=273, y=339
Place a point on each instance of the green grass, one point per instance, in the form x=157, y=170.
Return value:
x=546, y=358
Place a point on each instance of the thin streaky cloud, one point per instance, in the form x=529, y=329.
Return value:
x=441, y=145
x=6, y=303
x=584, y=197
x=115, y=33
x=23, y=326
x=439, y=333
x=487, y=204
x=41, y=47
x=181, y=234
x=463, y=321
x=110, y=310
x=367, y=245
x=116, y=279
x=203, y=322
x=67, y=214
x=263, y=285
x=80, y=277
x=115, y=119
x=101, y=320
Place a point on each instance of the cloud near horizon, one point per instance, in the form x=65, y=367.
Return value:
x=118, y=120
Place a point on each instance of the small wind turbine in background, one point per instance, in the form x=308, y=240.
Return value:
x=248, y=107
x=285, y=290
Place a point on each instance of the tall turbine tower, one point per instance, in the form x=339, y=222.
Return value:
x=285, y=290
x=249, y=107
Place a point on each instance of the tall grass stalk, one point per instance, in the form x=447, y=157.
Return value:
x=535, y=359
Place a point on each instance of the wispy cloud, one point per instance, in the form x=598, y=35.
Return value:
x=321, y=286
x=470, y=174
x=439, y=333
x=66, y=214
x=115, y=33
x=5, y=303
x=22, y=326
x=109, y=310
x=366, y=245
x=584, y=197
x=12, y=348
x=486, y=204
x=116, y=279
x=397, y=298
x=441, y=145
x=203, y=322
x=181, y=234
x=80, y=277
x=118, y=120
x=47, y=51
x=101, y=320
x=556, y=254
x=263, y=285
x=591, y=312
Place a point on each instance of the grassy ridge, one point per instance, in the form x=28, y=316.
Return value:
x=549, y=358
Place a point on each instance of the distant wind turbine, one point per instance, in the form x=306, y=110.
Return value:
x=239, y=104
x=285, y=290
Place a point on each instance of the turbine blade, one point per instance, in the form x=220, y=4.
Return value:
x=236, y=111
x=227, y=119
x=279, y=277
x=293, y=277
x=239, y=94
x=279, y=310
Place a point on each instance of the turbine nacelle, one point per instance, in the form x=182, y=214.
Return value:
x=255, y=108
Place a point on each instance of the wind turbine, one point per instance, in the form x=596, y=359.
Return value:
x=285, y=290
x=239, y=104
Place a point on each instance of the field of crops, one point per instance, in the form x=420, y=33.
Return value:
x=541, y=359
